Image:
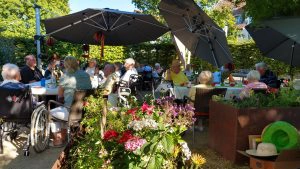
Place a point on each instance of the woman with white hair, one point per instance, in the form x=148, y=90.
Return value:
x=11, y=76
x=253, y=83
x=130, y=69
x=205, y=80
x=176, y=75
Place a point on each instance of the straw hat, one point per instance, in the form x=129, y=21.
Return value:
x=263, y=150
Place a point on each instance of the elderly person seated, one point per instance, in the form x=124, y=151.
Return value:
x=49, y=70
x=72, y=80
x=176, y=75
x=130, y=69
x=11, y=76
x=253, y=83
x=205, y=80
x=92, y=68
x=267, y=76
x=30, y=73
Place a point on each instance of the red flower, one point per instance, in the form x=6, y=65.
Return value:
x=147, y=109
x=85, y=104
x=132, y=111
x=110, y=134
x=127, y=135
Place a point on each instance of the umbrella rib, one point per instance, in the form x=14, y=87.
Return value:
x=275, y=46
x=104, y=21
x=74, y=23
x=189, y=26
x=188, y=16
x=169, y=11
x=98, y=27
x=153, y=24
x=121, y=25
x=97, y=24
x=227, y=54
x=117, y=20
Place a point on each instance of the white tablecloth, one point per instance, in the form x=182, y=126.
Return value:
x=37, y=89
x=232, y=91
x=181, y=91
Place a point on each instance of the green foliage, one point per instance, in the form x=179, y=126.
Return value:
x=286, y=97
x=18, y=16
x=266, y=9
x=221, y=14
x=152, y=53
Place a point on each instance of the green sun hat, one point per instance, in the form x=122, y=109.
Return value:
x=282, y=134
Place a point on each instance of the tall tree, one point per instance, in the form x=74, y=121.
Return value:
x=18, y=16
x=265, y=9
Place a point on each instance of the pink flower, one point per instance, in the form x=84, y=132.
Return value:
x=134, y=143
x=147, y=109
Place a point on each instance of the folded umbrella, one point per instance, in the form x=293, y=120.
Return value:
x=191, y=25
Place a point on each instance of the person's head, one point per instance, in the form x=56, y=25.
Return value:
x=129, y=63
x=10, y=72
x=92, y=63
x=205, y=77
x=109, y=69
x=71, y=64
x=175, y=67
x=51, y=65
x=30, y=61
x=253, y=76
x=261, y=68
x=118, y=66
x=157, y=66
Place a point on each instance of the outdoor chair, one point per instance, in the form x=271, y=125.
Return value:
x=76, y=111
x=201, y=103
x=17, y=110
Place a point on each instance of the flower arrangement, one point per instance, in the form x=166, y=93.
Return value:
x=145, y=136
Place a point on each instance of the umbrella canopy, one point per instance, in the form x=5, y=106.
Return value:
x=278, y=39
x=118, y=27
x=196, y=30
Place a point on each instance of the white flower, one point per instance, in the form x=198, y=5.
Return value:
x=186, y=151
x=141, y=124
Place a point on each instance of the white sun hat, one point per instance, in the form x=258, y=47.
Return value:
x=263, y=150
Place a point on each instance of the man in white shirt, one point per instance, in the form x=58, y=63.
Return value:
x=130, y=70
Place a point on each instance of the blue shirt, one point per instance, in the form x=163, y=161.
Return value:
x=71, y=82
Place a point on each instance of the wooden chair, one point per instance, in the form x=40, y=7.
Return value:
x=201, y=103
x=76, y=112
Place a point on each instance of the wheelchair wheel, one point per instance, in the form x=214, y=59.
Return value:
x=40, y=129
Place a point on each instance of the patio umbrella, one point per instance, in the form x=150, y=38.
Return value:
x=114, y=27
x=278, y=39
x=191, y=25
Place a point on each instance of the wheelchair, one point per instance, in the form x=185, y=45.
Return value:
x=17, y=110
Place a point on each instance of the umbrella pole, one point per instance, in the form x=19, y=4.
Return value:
x=213, y=52
x=292, y=58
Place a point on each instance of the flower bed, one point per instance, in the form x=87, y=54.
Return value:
x=146, y=136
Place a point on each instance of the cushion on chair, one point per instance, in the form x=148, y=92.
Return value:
x=60, y=113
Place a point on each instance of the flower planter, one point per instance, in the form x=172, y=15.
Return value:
x=62, y=158
x=229, y=127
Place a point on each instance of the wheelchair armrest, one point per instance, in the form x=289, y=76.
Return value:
x=56, y=103
x=38, y=104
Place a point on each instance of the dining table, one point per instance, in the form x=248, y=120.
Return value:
x=50, y=89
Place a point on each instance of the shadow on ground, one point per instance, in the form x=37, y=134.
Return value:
x=213, y=161
x=13, y=157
